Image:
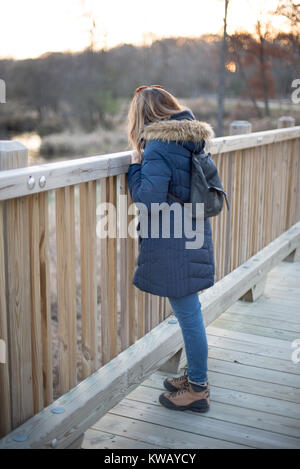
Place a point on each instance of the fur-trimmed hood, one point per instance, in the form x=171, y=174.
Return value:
x=181, y=127
x=180, y=131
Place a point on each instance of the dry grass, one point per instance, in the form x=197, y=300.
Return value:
x=77, y=143
x=100, y=141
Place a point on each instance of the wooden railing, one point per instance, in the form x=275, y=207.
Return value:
x=67, y=304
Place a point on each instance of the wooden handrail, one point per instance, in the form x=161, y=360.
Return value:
x=14, y=183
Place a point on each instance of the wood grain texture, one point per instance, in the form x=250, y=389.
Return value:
x=132, y=293
x=109, y=274
x=125, y=279
x=248, y=411
x=19, y=307
x=45, y=297
x=16, y=246
x=133, y=412
x=5, y=402
x=18, y=287
x=88, y=256
x=36, y=318
x=112, y=269
x=66, y=288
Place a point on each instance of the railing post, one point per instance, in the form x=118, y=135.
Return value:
x=16, y=395
x=285, y=121
x=5, y=418
x=240, y=127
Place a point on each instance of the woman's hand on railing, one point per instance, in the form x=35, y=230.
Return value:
x=135, y=157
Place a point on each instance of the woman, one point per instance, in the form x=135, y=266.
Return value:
x=163, y=134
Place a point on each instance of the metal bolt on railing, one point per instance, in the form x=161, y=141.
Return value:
x=172, y=320
x=42, y=181
x=19, y=437
x=57, y=410
x=54, y=443
x=31, y=182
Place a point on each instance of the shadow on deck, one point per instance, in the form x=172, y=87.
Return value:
x=255, y=386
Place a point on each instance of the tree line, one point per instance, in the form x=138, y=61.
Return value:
x=59, y=90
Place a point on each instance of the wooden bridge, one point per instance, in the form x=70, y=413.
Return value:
x=83, y=344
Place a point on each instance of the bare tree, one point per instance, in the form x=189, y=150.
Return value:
x=263, y=63
x=222, y=75
x=291, y=11
x=238, y=46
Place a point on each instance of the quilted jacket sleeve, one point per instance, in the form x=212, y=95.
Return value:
x=149, y=182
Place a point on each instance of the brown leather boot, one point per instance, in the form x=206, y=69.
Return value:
x=191, y=397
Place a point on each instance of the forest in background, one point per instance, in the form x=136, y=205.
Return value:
x=77, y=102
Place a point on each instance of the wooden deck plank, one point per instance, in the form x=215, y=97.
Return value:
x=270, y=304
x=247, y=336
x=266, y=312
x=157, y=434
x=285, y=288
x=264, y=363
x=191, y=423
x=277, y=293
x=270, y=323
x=282, y=275
x=255, y=386
x=258, y=388
x=238, y=391
x=97, y=439
x=283, y=272
x=249, y=347
x=225, y=410
x=255, y=329
x=254, y=372
x=286, y=283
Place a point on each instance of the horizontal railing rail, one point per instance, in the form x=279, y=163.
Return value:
x=14, y=182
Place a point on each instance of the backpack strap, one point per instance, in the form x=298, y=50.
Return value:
x=176, y=199
x=227, y=203
x=223, y=192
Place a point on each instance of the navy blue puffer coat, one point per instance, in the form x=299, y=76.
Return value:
x=165, y=266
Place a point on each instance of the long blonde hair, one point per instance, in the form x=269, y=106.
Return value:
x=149, y=104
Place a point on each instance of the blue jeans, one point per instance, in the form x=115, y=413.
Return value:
x=187, y=310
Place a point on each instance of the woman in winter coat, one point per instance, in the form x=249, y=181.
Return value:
x=163, y=134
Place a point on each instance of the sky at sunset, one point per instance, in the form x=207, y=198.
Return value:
x=30, y=28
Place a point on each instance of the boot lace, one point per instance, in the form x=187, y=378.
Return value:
x=182, y=378
x=185, y=384
x=182, y=390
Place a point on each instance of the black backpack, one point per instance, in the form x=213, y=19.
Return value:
x=206, y=186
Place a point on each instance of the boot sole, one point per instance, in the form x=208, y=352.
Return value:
x=198, y=406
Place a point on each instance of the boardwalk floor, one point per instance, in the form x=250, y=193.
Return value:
x=255, y=386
